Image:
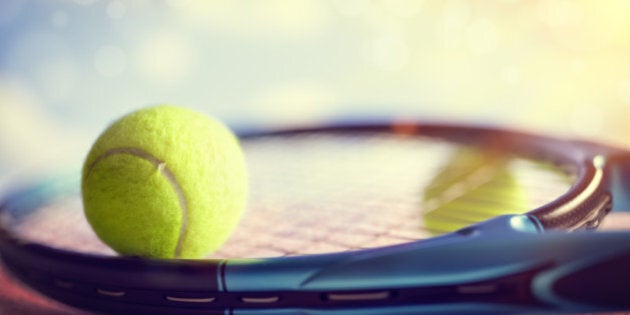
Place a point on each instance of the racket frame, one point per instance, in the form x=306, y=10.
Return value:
x=512, y=262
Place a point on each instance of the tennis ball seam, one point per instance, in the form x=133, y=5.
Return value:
x=165, y=171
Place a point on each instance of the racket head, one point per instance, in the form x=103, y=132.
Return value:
x=356, y=150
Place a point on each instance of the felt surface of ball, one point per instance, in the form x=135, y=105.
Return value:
x=164, y=182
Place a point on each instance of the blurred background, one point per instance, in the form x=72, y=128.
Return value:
x=69, y=68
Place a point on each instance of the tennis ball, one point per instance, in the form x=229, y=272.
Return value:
x=164, y=182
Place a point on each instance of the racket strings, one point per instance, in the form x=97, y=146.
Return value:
x=351, y=192
x=320, y=193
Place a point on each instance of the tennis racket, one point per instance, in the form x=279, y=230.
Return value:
x=396, y=218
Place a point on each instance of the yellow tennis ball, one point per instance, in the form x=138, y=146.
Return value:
x=164, y=182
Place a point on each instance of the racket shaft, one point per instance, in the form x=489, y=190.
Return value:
x=558, y=271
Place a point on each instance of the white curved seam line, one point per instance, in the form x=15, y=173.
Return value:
x=183, y=206
x=166, y=172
